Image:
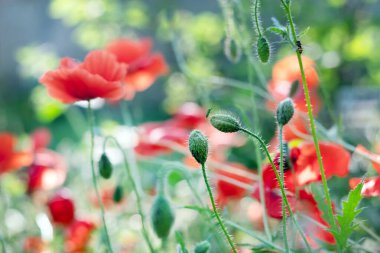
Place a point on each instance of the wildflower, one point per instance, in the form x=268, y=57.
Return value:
x=99, y=76
x=62, y=209
x=77, y=236
x=144, y=67
x=10, y=159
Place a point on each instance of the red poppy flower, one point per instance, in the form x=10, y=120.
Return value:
x=305, y=165
x=190, y=115
x=371, y=187
x=62, y=209
x=78, y=235
x=41, y=138
x=227, y=190
x=99, y=76
x=285, y=73
x=9, y=158
x=335, y=161
x=143, y=66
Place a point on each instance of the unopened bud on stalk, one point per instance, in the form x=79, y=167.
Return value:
x=202, y=247
x=225, y=123
x=285, y=111
x=118, y=194
x=105, y=166
x=198, y=146
x=232, y=50
x=263, y=49
x=162, y=217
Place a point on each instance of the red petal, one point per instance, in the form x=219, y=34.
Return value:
x=371, y=187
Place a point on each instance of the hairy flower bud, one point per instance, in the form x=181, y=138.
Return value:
x=105, y=166
x=198, y=146
x=162, y=217
x=225, y=123
x=202, y=247
x=285, y=111
x=263, y=49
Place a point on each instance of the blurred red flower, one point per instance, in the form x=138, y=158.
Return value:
x=62, y=209
x=48, y=170
x=228, y=190
x=156, y=138
x=371, y=187
x=77, y=236
x=99, y=76
x=10, y=159
x=285, y=73
x=34, y=244
x=304, y=161
x=144, y=67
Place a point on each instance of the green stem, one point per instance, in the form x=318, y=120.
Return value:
x=283, y=183
x=94, y=181
x=135, y=189
x=257, y=152
x=282, y=189
x=216, y=213
x=312, y=125
x=257, y=18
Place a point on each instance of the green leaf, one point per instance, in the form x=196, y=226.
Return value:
x=277, y=30
x=349, y=212
x=181, y=242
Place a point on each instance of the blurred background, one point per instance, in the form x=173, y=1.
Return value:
x=342, y=37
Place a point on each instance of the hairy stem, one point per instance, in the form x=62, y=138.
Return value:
x=135, y=189
x=283, y=183
x=216, y=212
x=94, y=181
x=282, y=189
x=311, y=118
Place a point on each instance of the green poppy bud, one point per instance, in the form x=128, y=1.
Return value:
x=105, y=167
x=202, y=247
x=225, y=123
x=263, y=49
x=162, y=217
x=198, y=146
x=118, y=194
x=285, y=111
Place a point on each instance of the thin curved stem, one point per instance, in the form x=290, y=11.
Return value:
x=283, y=183
x=282, y=189
x=135, y=189
x=257, y=18
x=312, y=125
x=216, y=213
x=94, y=181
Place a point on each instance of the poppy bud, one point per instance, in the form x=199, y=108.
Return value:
x=285, y=111
x=225, y=123
x=202, y=247
x=162, y=217
x=105, y=166
x=118, y=194
x=263, y=49
x=198, y=146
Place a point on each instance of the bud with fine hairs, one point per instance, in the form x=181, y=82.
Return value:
x=285, y=111
x=198, y=146
x=225, y=122
x=202, y=247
